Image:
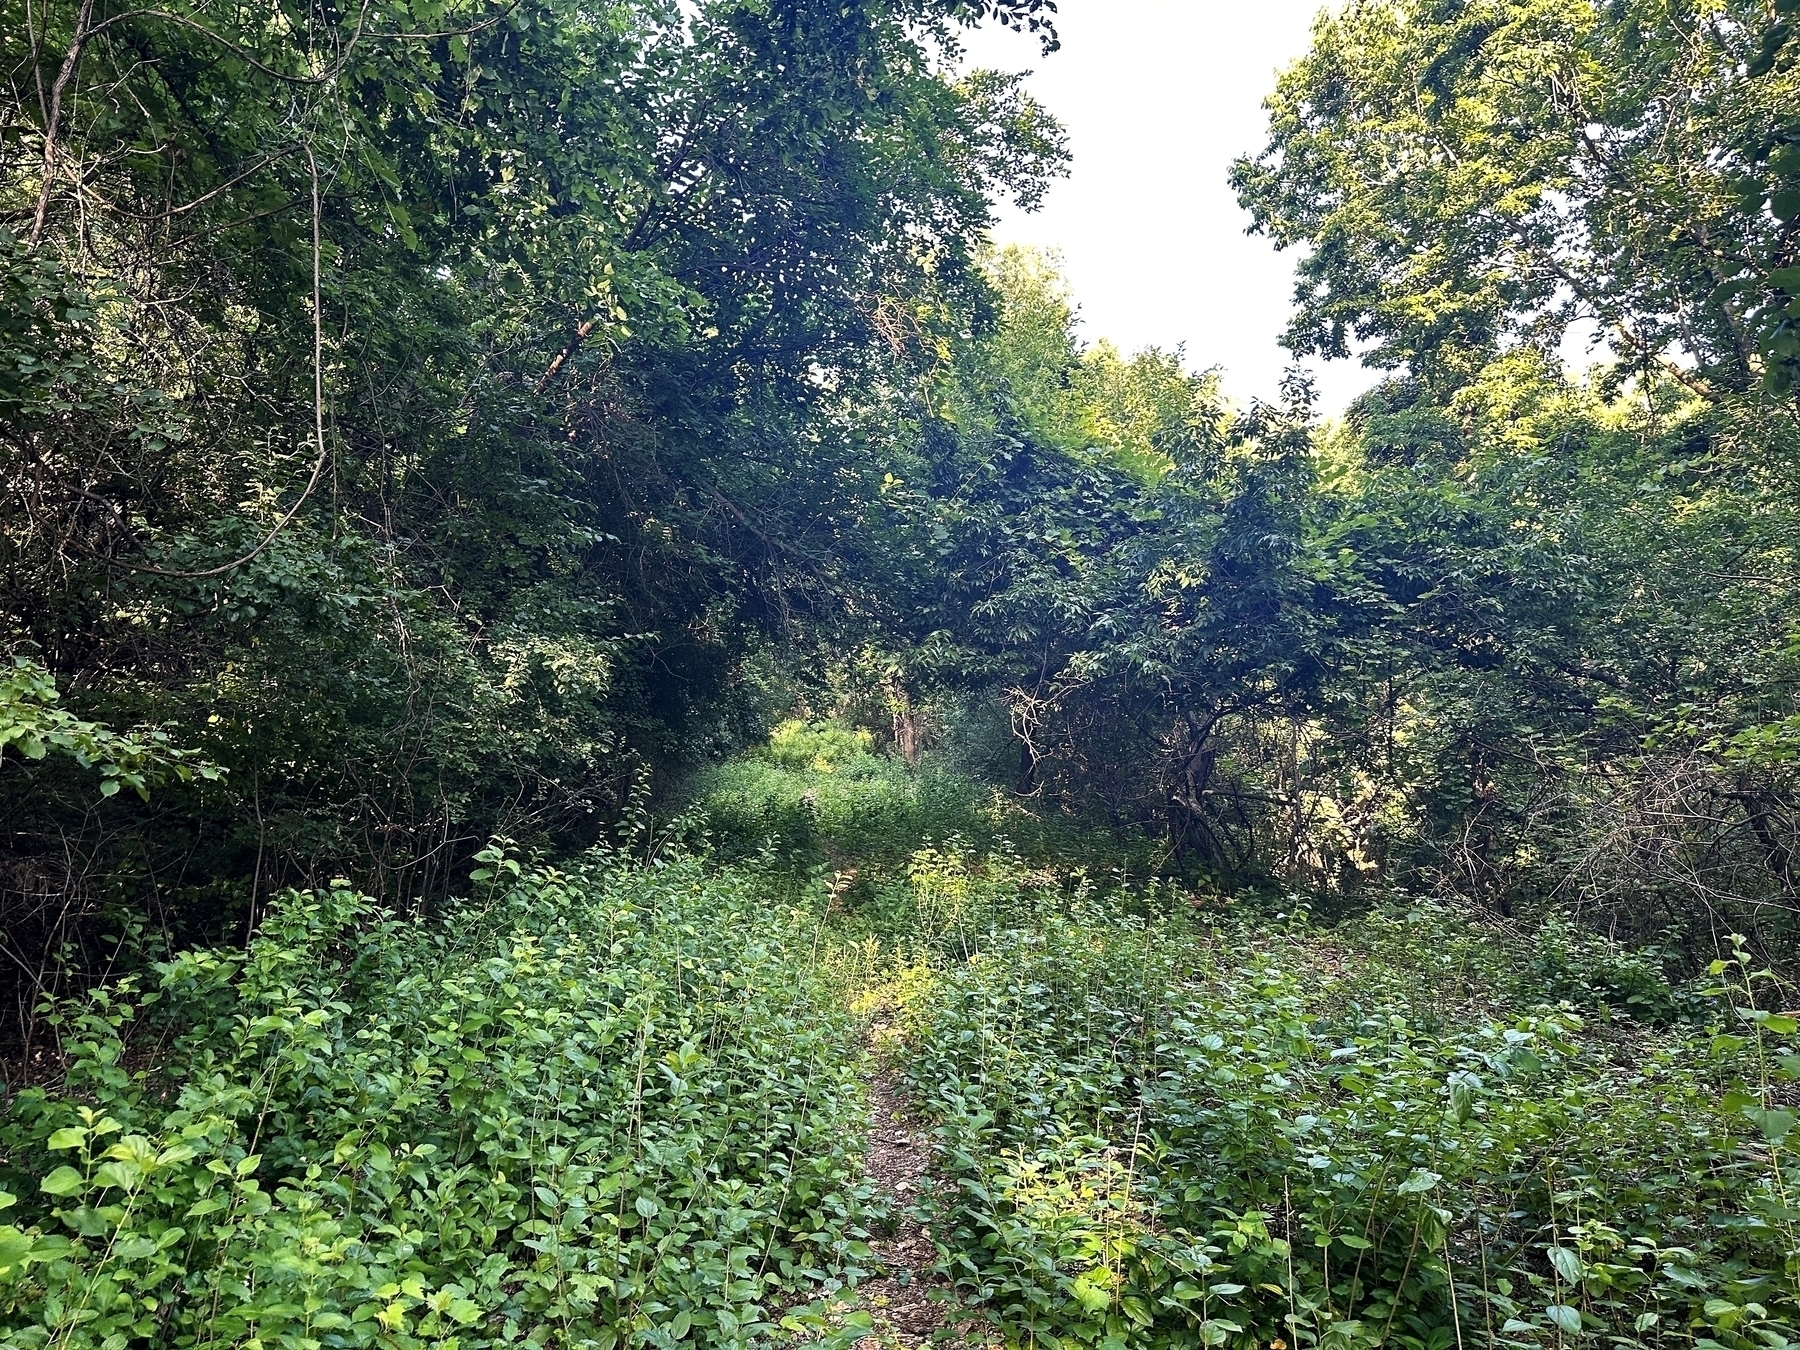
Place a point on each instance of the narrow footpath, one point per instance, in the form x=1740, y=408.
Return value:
x=908, y=1304
x=898, y=1161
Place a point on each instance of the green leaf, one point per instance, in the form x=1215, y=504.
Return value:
x=1565, y=1317
x=64, y=1181
x=70, y=1136
x=1418, y=1182
x=1775, y=1125
x=15, y=1249
x=857, y=1325
x=1737, y=1099
x=1567, y=1263
x=1771, y=1208
x=1093, y=1299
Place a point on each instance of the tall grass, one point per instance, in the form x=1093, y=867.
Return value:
x=817, y=794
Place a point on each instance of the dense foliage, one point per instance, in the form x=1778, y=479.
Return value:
x=1530, y=643
x=1163, y=1133
x=417, y=411
x=1322, y=881
x=622, y=1103
x=612, y=1105
x=493, y=411
x=1471, y=174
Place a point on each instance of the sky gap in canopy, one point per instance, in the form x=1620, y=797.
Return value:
x=1159, y=96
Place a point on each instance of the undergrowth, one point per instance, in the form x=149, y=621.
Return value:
x=623, y=1103
x=1162, y=1130
x=605, y=1106
x=818, y=794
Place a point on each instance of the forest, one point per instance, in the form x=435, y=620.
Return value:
x=617, y=731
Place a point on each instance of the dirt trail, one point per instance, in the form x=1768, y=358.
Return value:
x=898, y=1161
x=907, y=1303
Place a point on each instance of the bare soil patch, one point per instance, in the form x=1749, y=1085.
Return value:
x=899, y=1163
x=909, y=1304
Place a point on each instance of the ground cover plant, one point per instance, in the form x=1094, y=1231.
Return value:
x=1159, y=1129
x=819, y=795
x=625, y=1103
x=607, y=1105
x=818, y=787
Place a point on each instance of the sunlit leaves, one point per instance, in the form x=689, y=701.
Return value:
x=300, y=1162
x=1472, y=177
x=1282, y=1102
x=32, y=726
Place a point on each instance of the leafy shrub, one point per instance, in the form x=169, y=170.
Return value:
x=820, y=746
x=1581, y=968
x=33, y=726
x=608, y=1106
x=1161, y=1134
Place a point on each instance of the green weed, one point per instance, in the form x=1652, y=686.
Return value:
x=1162, y=1133
x=608, y=1106
x=818, y=794
x=622, y=1105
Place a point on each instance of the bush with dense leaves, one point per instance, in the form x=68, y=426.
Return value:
x=607, y=1106
x=1164, y=1133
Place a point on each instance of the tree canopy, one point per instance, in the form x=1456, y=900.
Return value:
x=423, y=408
x=431, y=423
x=1469, y=176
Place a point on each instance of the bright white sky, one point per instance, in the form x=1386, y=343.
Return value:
x=1158, y=97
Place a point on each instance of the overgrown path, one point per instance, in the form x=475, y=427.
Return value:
x=898, y=1162
x=908, y=1304
x=620, y=1105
